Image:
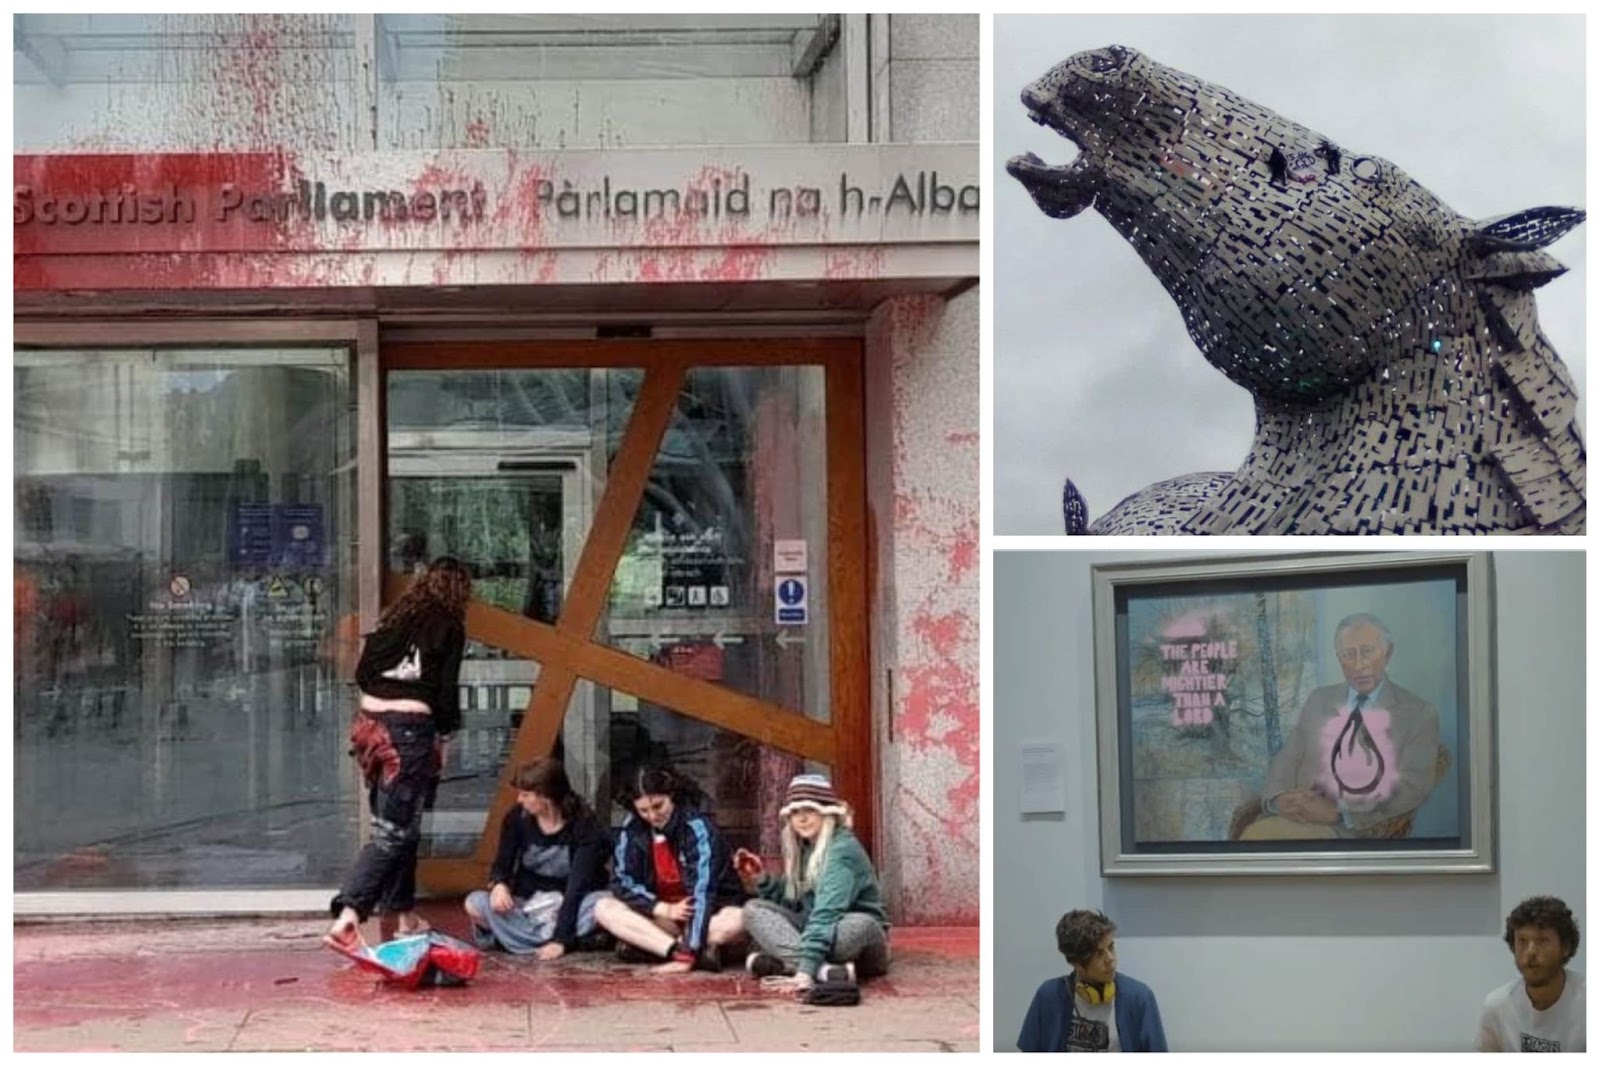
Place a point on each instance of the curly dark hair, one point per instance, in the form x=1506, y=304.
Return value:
x=442, y=590
x=1079, y=933
x=1544, y=912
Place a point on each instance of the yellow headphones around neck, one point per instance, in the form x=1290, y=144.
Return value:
x=1097, y=994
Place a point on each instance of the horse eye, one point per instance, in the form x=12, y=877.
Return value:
x=1109, y=59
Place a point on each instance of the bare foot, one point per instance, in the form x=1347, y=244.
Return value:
x=415, y=927
x=675, y=966
x=344, y=933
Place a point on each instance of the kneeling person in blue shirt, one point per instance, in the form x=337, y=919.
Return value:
x=1093, y=1008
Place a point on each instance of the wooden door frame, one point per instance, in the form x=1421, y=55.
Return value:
x=568, y=650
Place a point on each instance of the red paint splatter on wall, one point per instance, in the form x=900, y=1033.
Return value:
x=929, y=498
x=951, y=530
x=263, y=80
x=940, y=840
x=853, y=263
x=963, y=553
x=943, y=686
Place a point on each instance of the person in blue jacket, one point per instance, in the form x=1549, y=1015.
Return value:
x=674, y=895
x=1092, y=1008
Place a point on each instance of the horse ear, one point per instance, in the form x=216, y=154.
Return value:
x=1516, y=270
x=1524, y=231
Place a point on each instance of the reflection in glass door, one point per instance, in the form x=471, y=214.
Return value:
x=518, y=523
x=182, y=566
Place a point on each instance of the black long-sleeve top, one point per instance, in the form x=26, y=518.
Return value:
x=571, y=861
x=441, y=643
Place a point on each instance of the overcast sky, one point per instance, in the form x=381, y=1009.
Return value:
x=1095, y=376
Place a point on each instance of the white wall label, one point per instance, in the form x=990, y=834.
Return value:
x=789, y=556
x=1042, y=777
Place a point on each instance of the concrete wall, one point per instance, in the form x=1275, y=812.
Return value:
x=932, y=73
x=244, y=81
x=263, y=81
x=922, y=489
x=922, y=455
x=1285, y=964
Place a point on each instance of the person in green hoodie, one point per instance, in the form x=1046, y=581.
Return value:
x=823, y=918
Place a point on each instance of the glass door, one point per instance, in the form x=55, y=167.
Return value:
x=667, y=541
x=517, y=519
x=500, y=468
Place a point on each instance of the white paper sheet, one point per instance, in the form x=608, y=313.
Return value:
x=1043, y=780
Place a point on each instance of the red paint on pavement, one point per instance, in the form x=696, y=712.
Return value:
x=214, y=967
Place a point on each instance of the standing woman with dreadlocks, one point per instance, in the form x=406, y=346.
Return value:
x=823, y=918
x=408, y=677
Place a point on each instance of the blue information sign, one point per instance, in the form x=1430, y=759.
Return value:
x=791, y=608
x=287, y=535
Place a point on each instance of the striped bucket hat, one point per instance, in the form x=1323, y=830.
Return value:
x=813, y=791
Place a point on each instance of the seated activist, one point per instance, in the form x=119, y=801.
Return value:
x=674, y=895
x=823, y=918
x=549, y=872
x=1093, y=1008
x=1543, y=1009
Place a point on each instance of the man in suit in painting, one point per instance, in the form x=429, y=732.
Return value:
x=1362, y=753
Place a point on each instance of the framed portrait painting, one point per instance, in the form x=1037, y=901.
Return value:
x=1295, y=714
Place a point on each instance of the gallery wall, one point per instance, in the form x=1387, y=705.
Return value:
x=1284, y=963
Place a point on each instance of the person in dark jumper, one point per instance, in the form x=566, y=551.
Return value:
x=549, y=872
x=1093, y=1008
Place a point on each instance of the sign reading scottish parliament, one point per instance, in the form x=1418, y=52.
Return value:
x=126, y=203
x=487, y=200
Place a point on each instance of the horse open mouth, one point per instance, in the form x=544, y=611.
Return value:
x=1060, y=191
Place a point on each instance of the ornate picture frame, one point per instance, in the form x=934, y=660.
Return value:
x=1327, y=713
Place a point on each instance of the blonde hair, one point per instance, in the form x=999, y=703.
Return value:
x=800, y=878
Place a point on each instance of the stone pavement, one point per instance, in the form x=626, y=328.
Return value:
x=268, y=984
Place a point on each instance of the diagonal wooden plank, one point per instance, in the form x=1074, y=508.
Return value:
x=585, y=600
x=567, y=651
x=777, y=726
x=619, y=504
x=769, y=723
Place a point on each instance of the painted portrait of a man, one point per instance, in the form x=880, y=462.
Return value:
x=1294, y=714
x=1364, y=754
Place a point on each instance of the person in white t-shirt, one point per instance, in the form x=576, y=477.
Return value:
x=1543, y=1009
